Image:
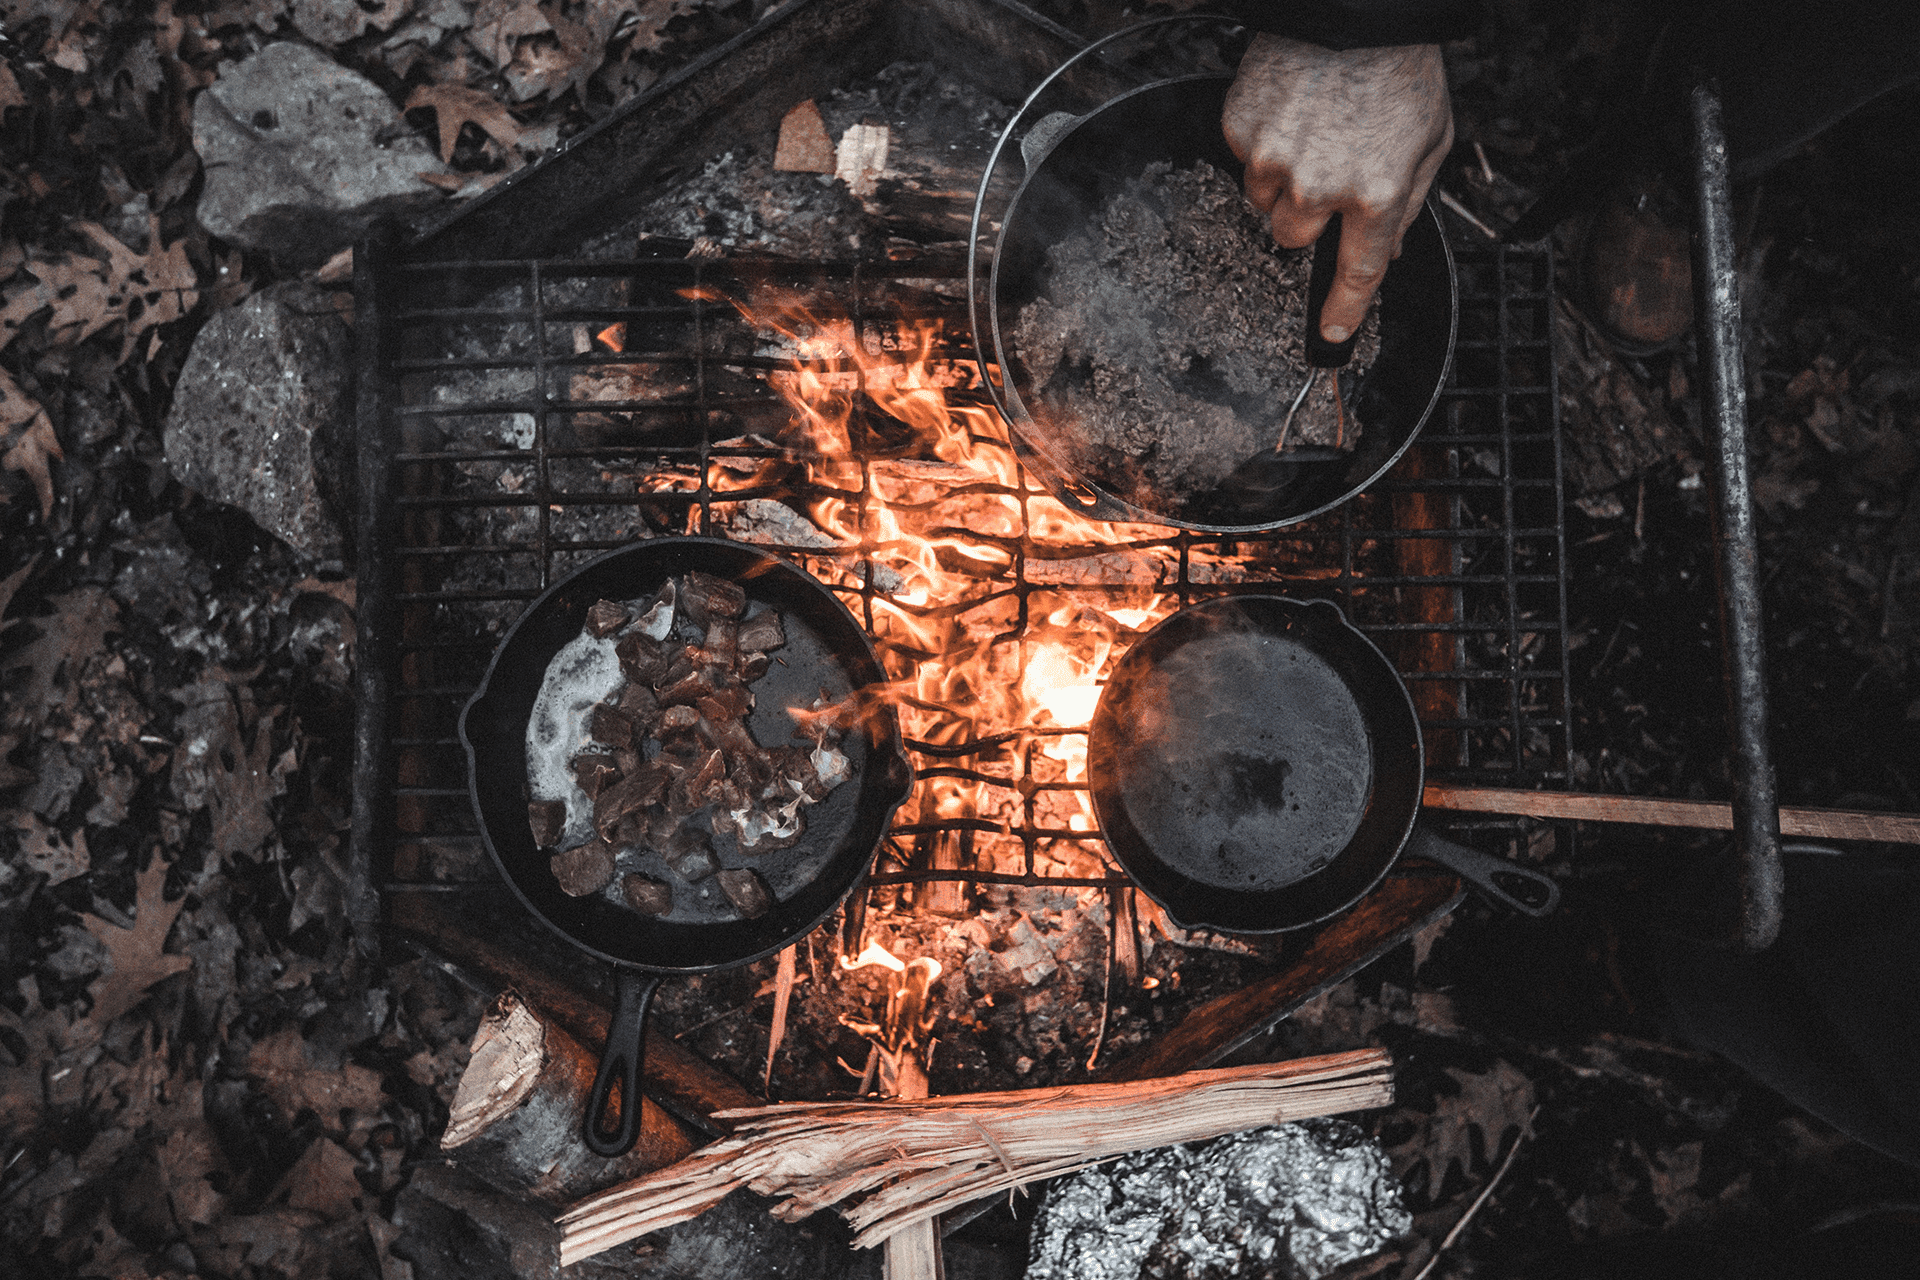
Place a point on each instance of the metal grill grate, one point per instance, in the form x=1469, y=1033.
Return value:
x=518, y=443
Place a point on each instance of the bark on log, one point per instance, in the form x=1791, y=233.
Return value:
x=517, y=1114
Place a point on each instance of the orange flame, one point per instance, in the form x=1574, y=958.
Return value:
x=945, y=524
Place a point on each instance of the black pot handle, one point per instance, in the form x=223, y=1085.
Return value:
x=626, y=1042
x=1524, y=890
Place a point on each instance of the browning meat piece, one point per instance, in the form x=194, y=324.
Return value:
x=594, y=772
x=584, y=869
x=648, y=897
x=694, y=861
x=629, y=761
x=604, y=618
x=674, y=719
x=639, y=705
x=642, y=659
x=696, y=786
x=610, y=728
x=548, y=818
x=723, y=644
x=762, y=632
x=753, y=666
x=638, y=791
x=746, y=891
x=726, y=704
x=705, y=597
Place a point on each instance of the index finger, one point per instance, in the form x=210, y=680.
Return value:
x=1367, y=242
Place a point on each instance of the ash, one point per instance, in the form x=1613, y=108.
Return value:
x=1167, y=342
x=1295, y=1201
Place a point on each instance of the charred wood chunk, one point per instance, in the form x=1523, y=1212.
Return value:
x=678, y=720
x=643, y=659
x=584, y=869
x=656, y=620
x=610, y=728
x=705, y=597
x=594, y=772
x=626, y=796
x=753, y=666
x=548, y=818
x=761, y=633
x=604, y=617
x=746, y=891
x=648, y=897
x=693, y=862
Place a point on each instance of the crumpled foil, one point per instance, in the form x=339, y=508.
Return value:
x=1291, y=1202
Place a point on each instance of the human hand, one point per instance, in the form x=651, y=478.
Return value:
x=1360, y=133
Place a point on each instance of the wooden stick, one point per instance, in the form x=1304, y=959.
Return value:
x=782, y=997
x=1707, y=815
x=914, y=1252
x=913, y=1160
x=515, y=1121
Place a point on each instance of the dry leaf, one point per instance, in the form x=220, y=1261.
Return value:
x=322, y=1181
x=281, y=1066
x=10, y=95
x=73, y=634
x=42, y=851
x=215, y=768
x=32, y=447
x=86, y=295
x=331, y=22
x=500, y=25
x=455, y=105
x=138, y=961
x=1492, y=1102
x=654, y=17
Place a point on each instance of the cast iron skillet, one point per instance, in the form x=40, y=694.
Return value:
x=825, y=648
x=1074, y=167
x=1256, y=766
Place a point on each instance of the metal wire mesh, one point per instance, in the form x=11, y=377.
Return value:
x=543, y=412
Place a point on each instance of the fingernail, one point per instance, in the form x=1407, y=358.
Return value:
x=1335, y=333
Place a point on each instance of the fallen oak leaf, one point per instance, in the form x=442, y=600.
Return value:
x=136, y=954
x=160, y=285
x=30, y=450
x=456, y=105
x=85, y=295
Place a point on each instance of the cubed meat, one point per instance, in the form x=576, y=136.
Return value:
x=642, y=659
x=723, y=643
x=629, y=761
x=626, y=796
x=679, y=667
x=761, y=633
x=584, y=869
x=693, y=862
x=698, y=683
x=656, y=620
x=678, y=719
x=609, y=727
x=548, y=818
x=648, y=897
x=752, y=666
x=594, y=772
x=751, y=771
x=639, y=705
x=746, y=891
x=705, y=597
x=697, y=786
x=730, y=703
x=604, y=617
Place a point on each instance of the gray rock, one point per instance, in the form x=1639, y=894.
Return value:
x=301, y=155
x=263, y=412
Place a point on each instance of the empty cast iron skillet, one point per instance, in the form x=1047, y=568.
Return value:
x=1074, y=166
x=1256, y=766
x=825, y=649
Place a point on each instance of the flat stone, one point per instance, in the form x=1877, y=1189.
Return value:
x=301, y=155
x=262, y=415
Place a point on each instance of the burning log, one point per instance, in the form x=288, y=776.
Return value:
x=913, y=1160
x=515, y=1120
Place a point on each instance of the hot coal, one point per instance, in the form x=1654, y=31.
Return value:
x=548, y=819
x=1167, y=342
x=648, y=897
x=584, y=869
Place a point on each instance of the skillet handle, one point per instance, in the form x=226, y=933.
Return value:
x=1525, y=890
x=626, y=1040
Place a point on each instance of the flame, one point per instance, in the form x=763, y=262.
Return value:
x=876, y=954
x=614, y=336
x=946, y=518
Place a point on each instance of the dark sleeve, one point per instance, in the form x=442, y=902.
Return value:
x=1361, y=24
